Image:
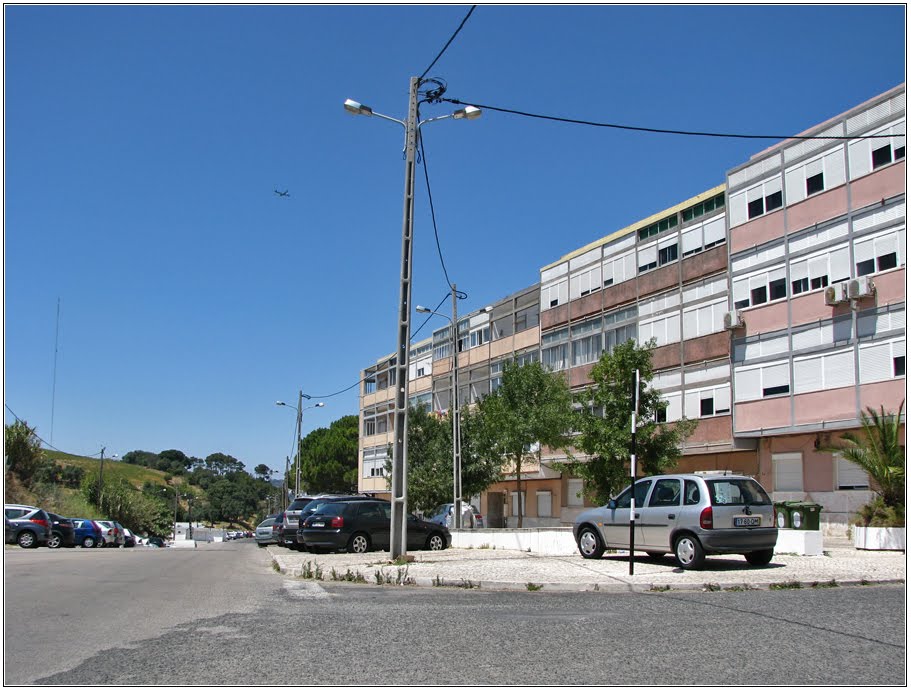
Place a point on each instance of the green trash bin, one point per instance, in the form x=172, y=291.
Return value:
x=804, y=515
x=782, y=514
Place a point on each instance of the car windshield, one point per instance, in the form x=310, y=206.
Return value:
x=734, y=492
x=266, y=523
x=298, y=504
x=442, y=508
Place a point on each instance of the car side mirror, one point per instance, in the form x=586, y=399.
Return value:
x=612, y=504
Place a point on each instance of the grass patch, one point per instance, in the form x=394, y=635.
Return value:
x=710, y=587
x=312, y=571
x=827, y=584
x=786, y=585
x=658, y=588
x=533, y=586
x=349, y=576
x=275, y=566
x=400, y=577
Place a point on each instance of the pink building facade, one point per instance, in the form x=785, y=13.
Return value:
x=816, y=233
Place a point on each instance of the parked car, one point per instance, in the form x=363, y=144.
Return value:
x=112, y=532
x=688, y=515
x=291, y=520
x=63, y=533
x=315, y=505
x=471, y=517
x=27, y=526
x=129, y=540
x=267, y=531
x=87, y=533
x=363, y=525
x=155, y=541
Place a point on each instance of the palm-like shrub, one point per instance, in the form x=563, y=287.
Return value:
x=878, y=450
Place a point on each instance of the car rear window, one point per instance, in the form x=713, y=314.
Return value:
x=331, y=509
x=298, y=504
x=735, y=492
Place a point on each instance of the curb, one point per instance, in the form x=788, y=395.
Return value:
x=513, y=586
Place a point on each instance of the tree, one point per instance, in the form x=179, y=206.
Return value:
x=878, y=450
x=263, y=472
x=221, y=463
x=22, y=448
x=604, y=423
x=531, y=408
x=143, y=458
x=328, y=457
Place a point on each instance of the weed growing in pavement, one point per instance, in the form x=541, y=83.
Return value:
x=827, y=584
x=740, y=588
x=656, y=588
x=533, y=586
x=864, y=581
x=275, y=566
x=484, y=546
x=468, y=584
x=438, y=582
x=401, y=577
x=349, y=575
x=710, y=587
x=786, y=585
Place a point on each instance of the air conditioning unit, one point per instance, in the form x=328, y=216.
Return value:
x=733, y=320
x=836, y=294
x=860, y=288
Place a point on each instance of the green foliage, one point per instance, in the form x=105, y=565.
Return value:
x=262, y=472
x=329, y=457
x=878, y=514
x=22, y=449
x=604, y=424
x=430, y=459
x=119, y=501
x=878, y=450
x=532, y=407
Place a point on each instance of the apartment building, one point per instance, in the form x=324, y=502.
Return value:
x=817, y=279
x=776, y=301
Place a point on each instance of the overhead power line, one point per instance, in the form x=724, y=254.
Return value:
x=451, y=38
x=656, y=130
x=50, y=446
x=433, y=216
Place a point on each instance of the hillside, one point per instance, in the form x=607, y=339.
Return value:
x=136, y=475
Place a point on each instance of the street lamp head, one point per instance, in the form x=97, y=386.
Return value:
x=280, y=403
x=489, y=308
x=421, y=308
x=320, y=405
x=467, y=113
x=356, y=108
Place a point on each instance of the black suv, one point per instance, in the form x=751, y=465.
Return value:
x=361, y=525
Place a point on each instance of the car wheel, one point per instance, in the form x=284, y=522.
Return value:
x=759, y=557
x=88, y=542
x=27, y=539
x=359, y=543
x=55, y=541
x=436, y=542
x=655, y=555
x=688, y=552
x=590, y=546
x=261, y=544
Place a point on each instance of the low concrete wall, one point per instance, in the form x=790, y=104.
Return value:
x=560, y=541
x=556, y=541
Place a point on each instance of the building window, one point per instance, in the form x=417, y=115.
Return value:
x=716, y=202
x=848, y=475
x=658, y=227
x=898, y=366
x=706, y=407
x=667, y=254
x=574, y=495
x=882, y=156
x=877, y=253
x=759, y=288
x=545, y=503
x=815, y=184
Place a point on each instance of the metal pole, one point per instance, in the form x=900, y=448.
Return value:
x=285, y=483
x=175, y=515
x=632, y=473
x=300, y=402
x=101, y=481
x=456, y=447
x=399, y=521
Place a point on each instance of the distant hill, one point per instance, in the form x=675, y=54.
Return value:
x=136, y=475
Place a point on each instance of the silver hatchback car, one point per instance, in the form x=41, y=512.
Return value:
x=689, y=515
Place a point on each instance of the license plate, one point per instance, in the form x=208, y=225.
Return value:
x=747, y=521
x=318, y=524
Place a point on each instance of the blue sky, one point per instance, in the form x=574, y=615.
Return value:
x=143, y=145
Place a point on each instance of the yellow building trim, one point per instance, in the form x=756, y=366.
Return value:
x=639, y=224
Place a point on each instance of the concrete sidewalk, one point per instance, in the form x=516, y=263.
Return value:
x=501, y=569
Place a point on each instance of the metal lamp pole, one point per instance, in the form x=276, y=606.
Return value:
x=399, y=526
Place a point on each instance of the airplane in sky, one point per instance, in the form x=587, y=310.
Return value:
x=282, y=194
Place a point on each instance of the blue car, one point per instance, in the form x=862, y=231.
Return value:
x=88, y=533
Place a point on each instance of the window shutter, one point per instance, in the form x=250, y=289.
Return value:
x=863, y=250
x=674, y=406
x=795, y=189
x=737, y=205
x=692, y=404
x=775, y=374
x=886, y=244
x=714, y=231
x=834, y=168
x=574, y=493
x=838, y=369
x=723, y=398
x=808, y=374
x=648, y=255
x=859, y=158
x=839, y=264
x=788, y=472
x=544, y=503
x=875, y=362
x=691, y=239
x=849, y=475
x=747, y=384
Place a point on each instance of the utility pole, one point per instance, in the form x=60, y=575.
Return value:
x=285, y=483
x=300, y=403
x=101, y=479
x=399, y=524
x=456, y=422
x=632, y=472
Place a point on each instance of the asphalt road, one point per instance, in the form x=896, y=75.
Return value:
x=220, y=615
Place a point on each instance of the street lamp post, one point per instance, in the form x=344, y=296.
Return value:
x=456, y=421
x=399, y=525
x=300, y=411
